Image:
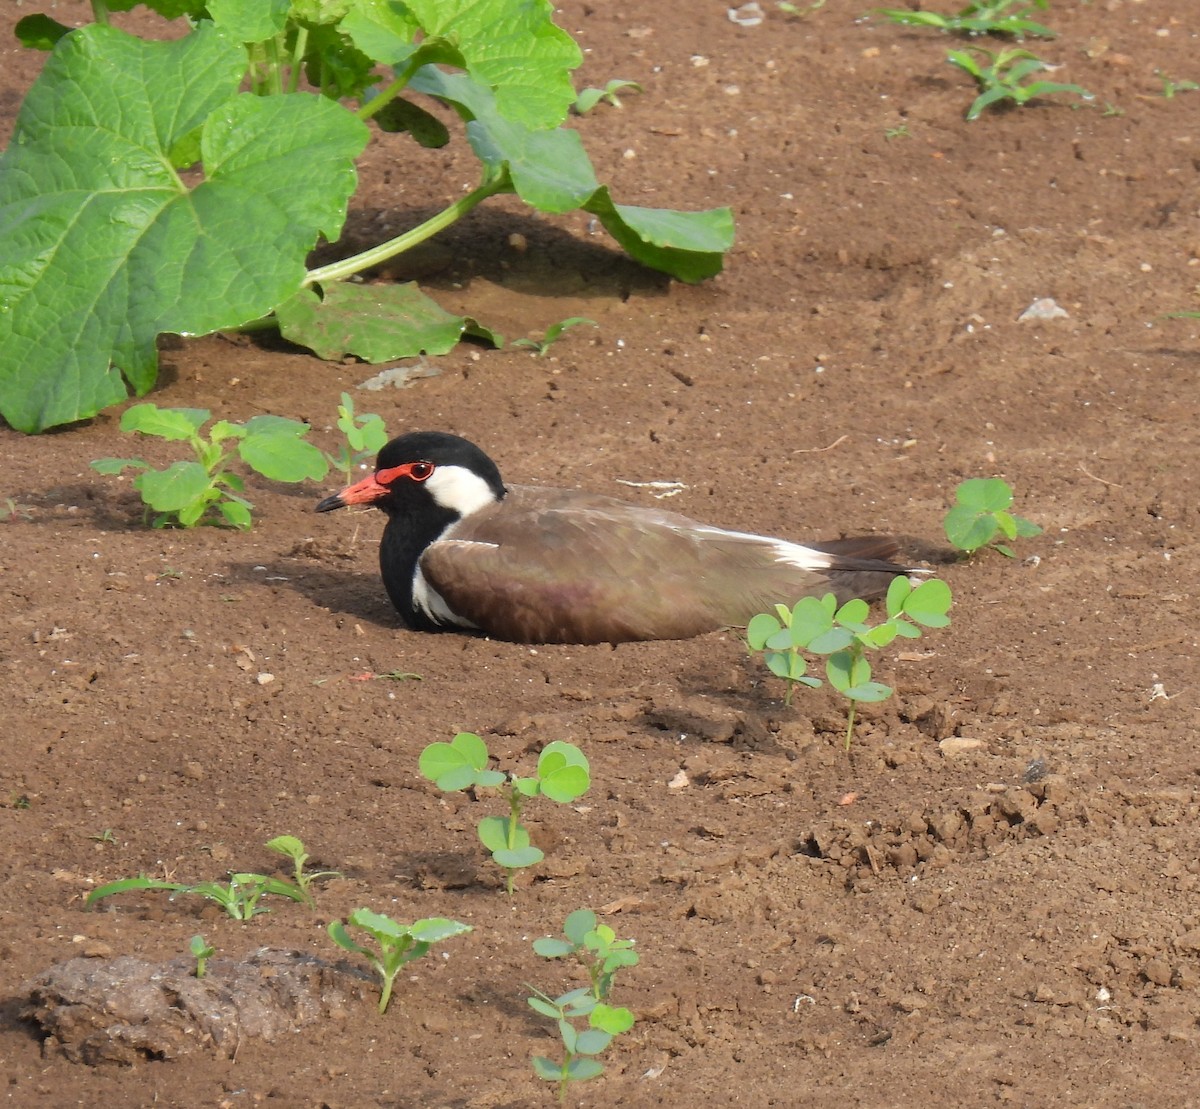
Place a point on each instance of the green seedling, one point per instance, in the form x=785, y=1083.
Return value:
x=562, y=776
x=589, y=98
x=188, y=493
x=595, y=946
x=104, y=837
x=293, y=848
x=980, y=515
x=899, y=132
x=542, y=347
x=579, y=1046
x=983, y=17
x=1170, y=87
x=201, y=952
x=248, y=122
x=1000, y=77
x=398, y=944
x=239, y=897
x=362, y=437
x=820, y=627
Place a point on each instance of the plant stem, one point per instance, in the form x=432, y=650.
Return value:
x=386, y=993
x=274, y=71
x=514, y=822
x=297, y=62
x=347, y=267
x=100, y=11
x=850, y=723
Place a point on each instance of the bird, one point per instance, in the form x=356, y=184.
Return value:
x=463, y=551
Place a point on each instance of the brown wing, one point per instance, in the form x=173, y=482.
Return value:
x=559, y=566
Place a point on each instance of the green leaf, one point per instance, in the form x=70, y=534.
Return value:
x=250, y=20
x=690, y=246
x=493, y=834
x=550, y=948
x=514, y=858
x=458, y=764
x=180, y=485
x=611, y=1020
x=236, y=514
x=274, y=447
x=578, y=924
x=125, y=884
x=116, y=465
x=854, y=611
x=592, y=1041
x=968, y=529
x=987, y=494
x=581, y=1069
x=166, y=423
x=1026, y=529
x=377, y=323
x=437, y=928
x=929, y=603
x=39, y=32
x=106, y=248
x=760, y=629
x=547, y=1068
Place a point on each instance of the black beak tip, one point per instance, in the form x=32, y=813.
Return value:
x=330, y=503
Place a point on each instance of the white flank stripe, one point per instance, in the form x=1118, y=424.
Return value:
x=431, y=602
x=804, y=558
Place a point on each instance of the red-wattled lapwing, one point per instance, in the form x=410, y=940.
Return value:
x=461, y=550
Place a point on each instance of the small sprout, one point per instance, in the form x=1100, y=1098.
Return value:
x=1170, y=87
x=589, y=98
x=822, y=628
x=542, y=347
x=899, y=132
x=982, y=17
x=595, y=945
x=188, y=493
x=980, y=514
x=399, y=944
x=579, y=1046
x=1001, y=76
x=239, y=898
x=562, y=775
x=363, y=436
x=201, y=952
x=104, y=837
x=293, y=849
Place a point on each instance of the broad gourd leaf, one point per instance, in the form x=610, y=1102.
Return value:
x=512, y=48
x=274, y=446
x=376, y=323
x=250, y=20
x=179, y=486
x=105, y=247
x=172, y=424
x=435, y=929
x=989, y=494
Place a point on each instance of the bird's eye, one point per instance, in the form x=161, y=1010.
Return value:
x=419, y=471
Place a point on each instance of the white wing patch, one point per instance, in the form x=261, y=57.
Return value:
x=803, y=558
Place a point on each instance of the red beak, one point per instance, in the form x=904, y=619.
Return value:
x=367, y=491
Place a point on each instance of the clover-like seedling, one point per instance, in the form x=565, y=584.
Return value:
x=201, y=952
x=188, y=493
x=983, y=17
x=293, y=849
x=980, y=516
x=580, y=1046
x=541, y=347
x=239, y=897
x=562, y=776
x=1000, y=77
x=398, y=944
x=595, y=946
x=589, y=98
x=363, y=435
x=820, y=627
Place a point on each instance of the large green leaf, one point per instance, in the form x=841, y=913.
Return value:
x=375, y=322
x=105, y=247
x=512, y=48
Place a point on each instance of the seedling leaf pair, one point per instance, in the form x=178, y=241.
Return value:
x=595, y=945
x=980, y=514
x=562, y=775
x=820, y=627
x=397, y=944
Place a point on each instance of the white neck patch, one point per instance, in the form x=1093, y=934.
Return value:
x=459, y=489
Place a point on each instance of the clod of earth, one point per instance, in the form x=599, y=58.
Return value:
x=123, y=1010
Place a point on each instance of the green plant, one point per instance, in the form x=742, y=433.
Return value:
x=1001, y=75
x=1170, y=87
x=398, y=944
x=542, y=347
x=562, y=775
x=983, y=17
x=208, y=228
x=104, y=837
x=980, y=515
x=579, y=1046
x=820, y=627
x=188, y=492
x=589, y=98
x=595, y=946
x=293, y=848
x=201, y=952
x=362, y=436
x=901, y=131
x=239, y=897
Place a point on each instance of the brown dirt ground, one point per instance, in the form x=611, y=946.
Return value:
x=1017, y=923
